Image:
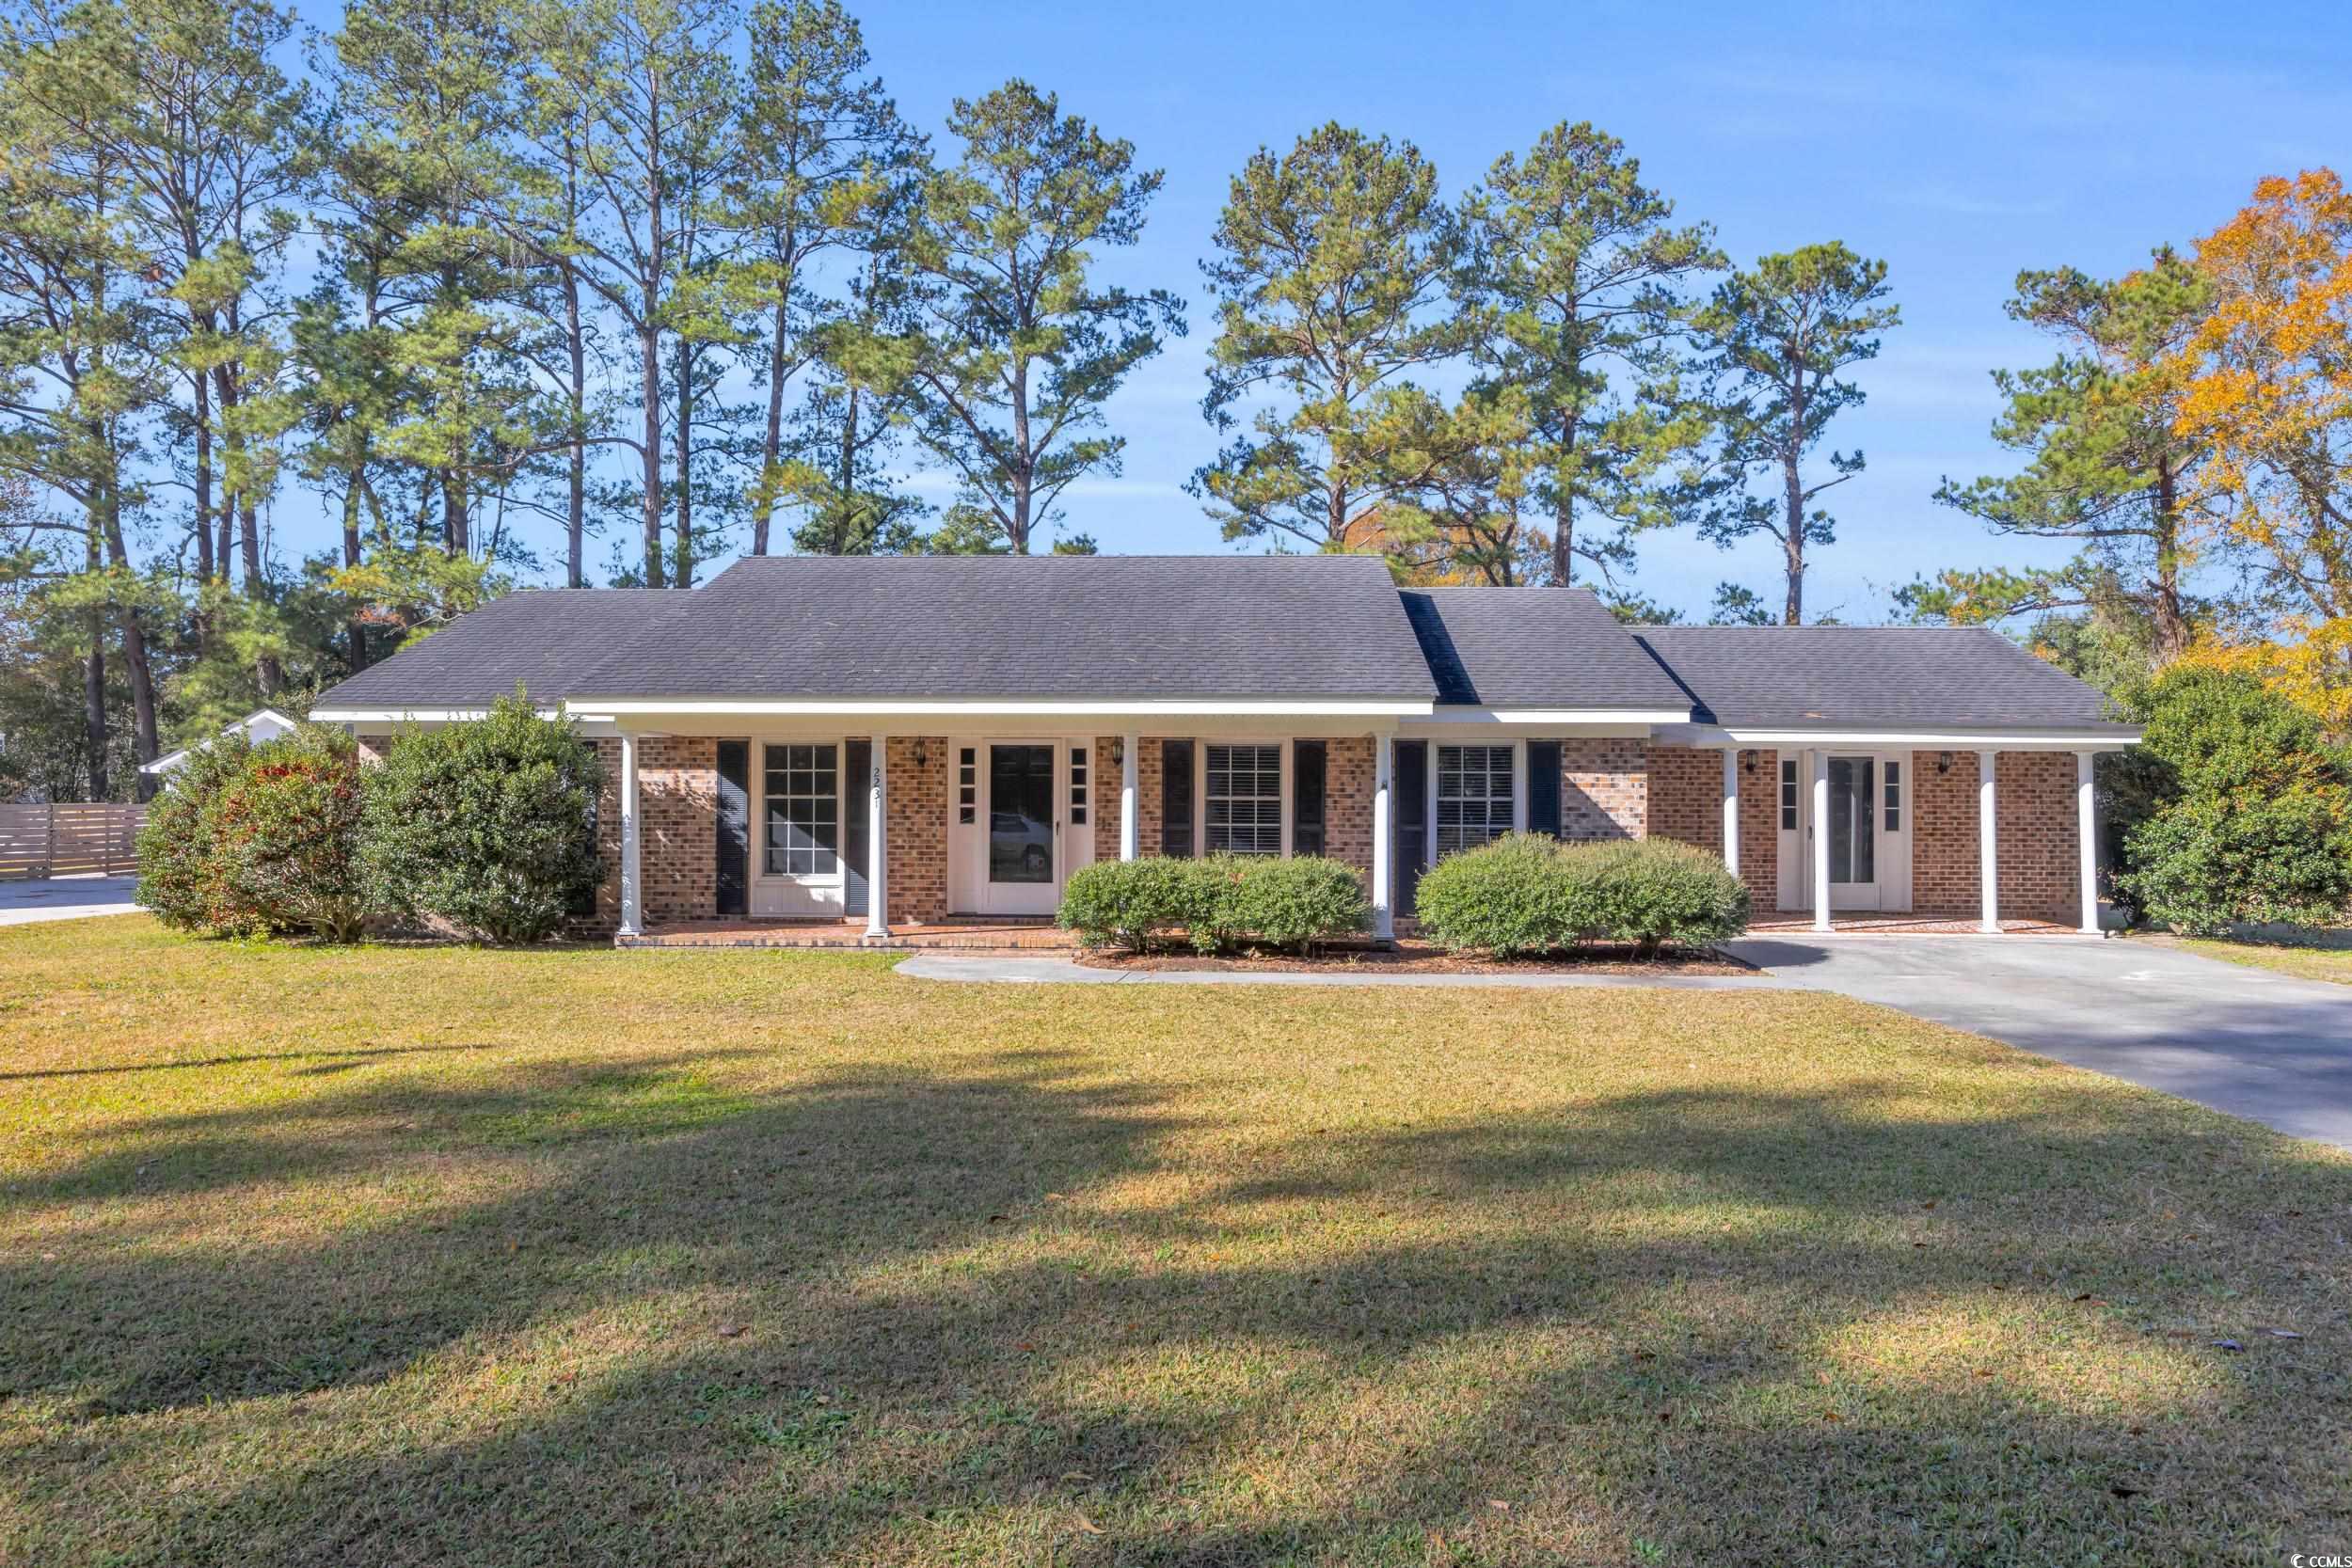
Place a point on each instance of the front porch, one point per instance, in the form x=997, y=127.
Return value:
x=1783, y=922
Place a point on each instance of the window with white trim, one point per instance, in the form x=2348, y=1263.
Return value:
x=1078, y=760
x=1242, y=802
x=1893, y=797
x=1789, y=794
x=968, y=784
x=1474, y=796
x=803, y=826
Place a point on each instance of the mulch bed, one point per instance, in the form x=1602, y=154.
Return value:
x=1414, y=955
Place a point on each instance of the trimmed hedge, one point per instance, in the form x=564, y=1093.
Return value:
x=255, y=840
x=489, y=826
x=1525, y=894
x=1219, y=902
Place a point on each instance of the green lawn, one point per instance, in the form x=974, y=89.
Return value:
x=405, y=1256
x=2305, y=963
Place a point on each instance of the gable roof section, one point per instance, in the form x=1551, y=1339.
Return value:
x=1555, y=649
x=546, y=638
x=1873, y=677
x=964, y=627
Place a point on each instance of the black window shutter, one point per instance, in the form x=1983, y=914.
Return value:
x=1307, y=770
x=1411, y=791
x=1176, y=799
x=1543, y=787
x=734, y=827
x=857, y=777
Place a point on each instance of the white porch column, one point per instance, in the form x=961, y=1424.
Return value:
x=876, y=842
x=1731, y=809
x=1383, y=838
x=2087, y=829
x=1988, y=840
x=1130, y=830
x=630, y=923
x=1820, y=841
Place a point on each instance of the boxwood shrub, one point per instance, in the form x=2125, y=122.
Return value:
x=1525, y=894
x=1218, y=902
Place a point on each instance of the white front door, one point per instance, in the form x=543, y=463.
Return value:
x=1867, y=825
x=1021, y=858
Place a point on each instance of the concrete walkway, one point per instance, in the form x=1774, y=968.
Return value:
x=2248, y=1041
x=66, y=898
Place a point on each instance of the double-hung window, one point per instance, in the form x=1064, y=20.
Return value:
x=1241, y=806
x=1474, y=796
x=803, y=828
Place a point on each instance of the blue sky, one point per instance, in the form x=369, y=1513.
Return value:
x=1959, y=142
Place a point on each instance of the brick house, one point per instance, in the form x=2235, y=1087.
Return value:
x=902, y=740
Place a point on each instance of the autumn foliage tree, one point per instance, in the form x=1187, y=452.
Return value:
x=2267, y=384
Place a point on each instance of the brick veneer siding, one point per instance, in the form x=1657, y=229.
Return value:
x=677, y=830
x=1686, y=804
x=1604, y=789
x=915, y=801
x=1104, y=801
x=1347, y=789
x=608, y=916
x=2040, y=846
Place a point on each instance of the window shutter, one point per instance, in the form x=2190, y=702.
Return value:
x=734, y=827
x=857, y=777
x=1411, y=848
x=1543, y=787
x=1307, y=769
x=1176, y=799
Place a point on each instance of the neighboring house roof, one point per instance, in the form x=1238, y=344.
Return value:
x=1550, y=648
x=1871, y=677
x=544, y=638
x=1039, y=626
x=260, y=725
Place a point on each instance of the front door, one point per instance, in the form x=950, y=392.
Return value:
x=1021, y=871
x=1853, y=827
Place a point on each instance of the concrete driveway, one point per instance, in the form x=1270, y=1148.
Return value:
x=2244, y=1040
x=66, y=898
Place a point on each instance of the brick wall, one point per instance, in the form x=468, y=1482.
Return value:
x=1347, y=789
x=915, y=800
x=1106, y=774
x=1686, y=804
x=1604, y=789
x=2040, y=846
x=678, y=831
x=608, y=916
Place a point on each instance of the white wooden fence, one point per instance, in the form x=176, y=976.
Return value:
x=69, y=839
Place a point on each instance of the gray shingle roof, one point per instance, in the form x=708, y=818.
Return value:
x=973, y=626
x=546, y=638
x=1535, y=647
x=1871, y=677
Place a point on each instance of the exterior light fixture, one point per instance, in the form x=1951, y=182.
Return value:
x=1943, y=762
x=1119, y=749
x=922, y=753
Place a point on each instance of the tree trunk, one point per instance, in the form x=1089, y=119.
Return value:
x=457, y=514
x=845, y=487
x=203, y=483
x=2171, y=616
x=94, y=688
x=1023, y=472
x=649, y=387
x=772, y=440
x=682, y=562
x=107, y=510
x=354, y=629
x=1564, y=521
x=1792, y=449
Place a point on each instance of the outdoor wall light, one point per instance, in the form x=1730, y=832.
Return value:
x=1943, y=762
x=1747, y=762
x=1119, y=749
x=922, y=754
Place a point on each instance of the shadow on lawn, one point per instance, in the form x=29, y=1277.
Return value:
x=356, y=1056
x=941, y=1332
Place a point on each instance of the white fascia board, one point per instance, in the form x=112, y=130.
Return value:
x=979, y=708
x=411, y=715
x=1554, y=717
x=1924, y=740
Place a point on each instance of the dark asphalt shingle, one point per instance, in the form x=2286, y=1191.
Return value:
x=1872, y=676
x=1535, y=647
x=546, y=638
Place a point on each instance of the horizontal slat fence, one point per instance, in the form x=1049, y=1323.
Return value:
x=68, y=840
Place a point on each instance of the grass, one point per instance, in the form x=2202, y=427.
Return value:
x=409, y=1256
x=2304, y=963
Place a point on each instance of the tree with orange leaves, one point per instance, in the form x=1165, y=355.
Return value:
x=2266, y=388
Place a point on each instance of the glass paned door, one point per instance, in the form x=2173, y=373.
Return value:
x=1020, y=813
x=1852, y=827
